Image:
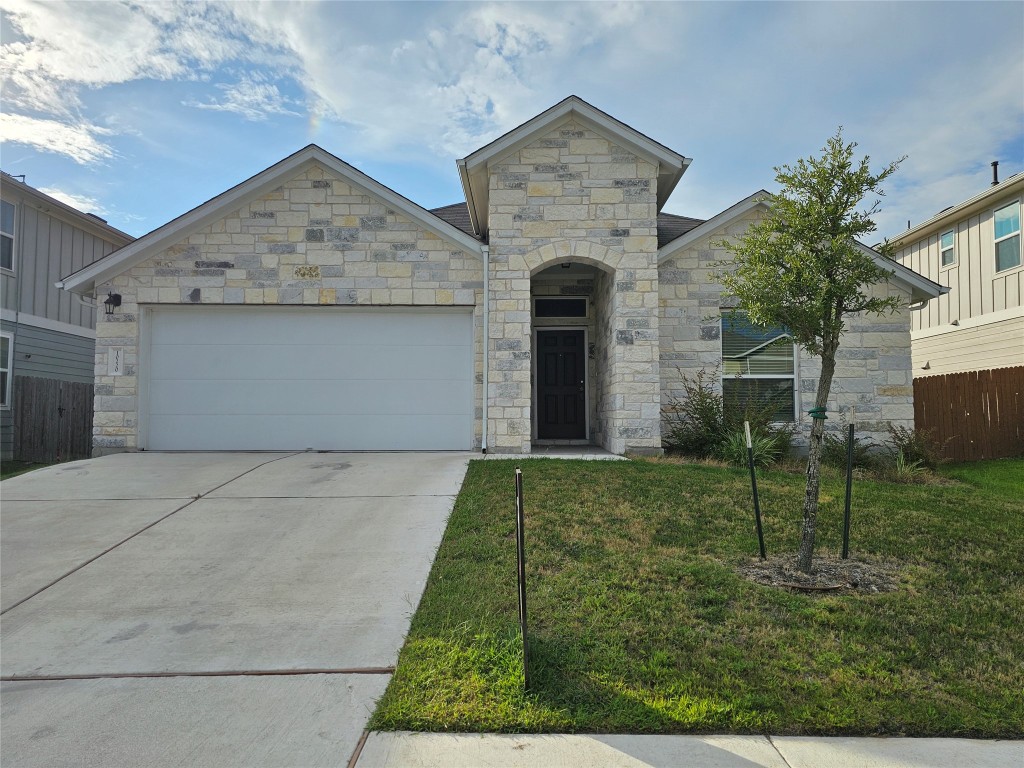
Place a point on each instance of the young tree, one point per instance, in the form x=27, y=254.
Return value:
x=801, y=268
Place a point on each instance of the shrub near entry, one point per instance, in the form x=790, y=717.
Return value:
x=700, y=423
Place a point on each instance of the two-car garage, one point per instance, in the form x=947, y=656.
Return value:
x=297, y=378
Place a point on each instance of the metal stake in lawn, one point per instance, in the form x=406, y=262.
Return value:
x=753, y=485
x=520, y=536
x=849, y=490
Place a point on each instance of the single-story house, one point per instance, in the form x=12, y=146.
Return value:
x=311, y=307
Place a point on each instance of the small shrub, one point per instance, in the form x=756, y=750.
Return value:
x=917, y=446
x=699, y=424
x=768, y=448
x=694, y=422
x=902, y=469
x=833, y=451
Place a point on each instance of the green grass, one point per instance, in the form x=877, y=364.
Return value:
x=14, y=468
x=638, y=622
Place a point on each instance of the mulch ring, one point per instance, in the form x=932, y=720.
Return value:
x=828, y=576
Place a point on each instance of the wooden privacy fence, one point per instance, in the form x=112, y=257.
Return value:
x=52, y=419
x=978, y=414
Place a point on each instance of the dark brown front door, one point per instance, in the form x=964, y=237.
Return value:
x=561, y=388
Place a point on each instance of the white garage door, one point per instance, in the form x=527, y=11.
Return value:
x=234, y=378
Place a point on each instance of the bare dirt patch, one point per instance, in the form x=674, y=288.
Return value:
x=828, y=576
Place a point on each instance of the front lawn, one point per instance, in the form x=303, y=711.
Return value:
x=639, y=622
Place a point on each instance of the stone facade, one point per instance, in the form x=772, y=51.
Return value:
x=575, y=188
x=574, y=195
x=315, y=240
x=873, y=375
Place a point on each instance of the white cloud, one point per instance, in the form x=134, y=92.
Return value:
x=252, y=97
x=78, y=142
x=63, y=50
x=82, y=203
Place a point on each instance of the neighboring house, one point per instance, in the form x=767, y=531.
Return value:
x=45, y=333
x=312, y=307
x=975, y=249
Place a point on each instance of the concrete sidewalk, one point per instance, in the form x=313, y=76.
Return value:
x=435, y=750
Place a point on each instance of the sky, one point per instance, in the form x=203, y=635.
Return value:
x=140, y=111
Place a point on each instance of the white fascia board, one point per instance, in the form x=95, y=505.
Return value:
x=921, y=288
x=949, y=216
x=722, y=219
x=1000, y=316
x=85, y=280
x=518, y=138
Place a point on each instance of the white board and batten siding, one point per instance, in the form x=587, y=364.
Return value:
x=979, y=324
x=322, y=378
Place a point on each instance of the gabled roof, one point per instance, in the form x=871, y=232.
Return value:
x=85, y=280
x=920, y=287
x=473, y=168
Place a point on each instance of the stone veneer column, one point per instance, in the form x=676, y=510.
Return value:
x=573, y=195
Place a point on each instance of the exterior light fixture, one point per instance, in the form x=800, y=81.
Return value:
x=113, y=300
x=566, y=265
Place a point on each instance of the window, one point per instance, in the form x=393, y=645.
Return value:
x=6, y=348
x=947, y=249
x=560, y=307
x=6, y=235
x=1007, y=232
x=758, y=365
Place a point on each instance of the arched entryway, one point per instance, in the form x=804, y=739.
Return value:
x=570, y=323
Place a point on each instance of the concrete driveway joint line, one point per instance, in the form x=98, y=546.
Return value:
x=776, y=748
x=141, y=530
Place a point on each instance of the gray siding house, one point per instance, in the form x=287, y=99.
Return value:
x=311, y=307
x=45, y=333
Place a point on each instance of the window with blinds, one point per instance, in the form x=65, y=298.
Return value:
x=758, y=366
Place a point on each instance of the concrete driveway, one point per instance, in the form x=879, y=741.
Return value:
x=210, y=609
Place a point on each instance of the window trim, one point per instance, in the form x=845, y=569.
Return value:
x=11, y=235
x=7, y=366
x=794, y=376
x=997, y=240
x=943, y=264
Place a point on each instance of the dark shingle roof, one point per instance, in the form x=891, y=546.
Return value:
x=670, y=226
x=457, y=215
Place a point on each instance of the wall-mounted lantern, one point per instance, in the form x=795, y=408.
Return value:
x=113, y=300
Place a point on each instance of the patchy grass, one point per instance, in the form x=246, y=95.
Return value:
x=14, y=468
x=640, y=623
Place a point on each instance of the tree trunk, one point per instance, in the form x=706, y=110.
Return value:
x=806, y=553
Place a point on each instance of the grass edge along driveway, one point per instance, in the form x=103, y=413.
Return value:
x=639, y=622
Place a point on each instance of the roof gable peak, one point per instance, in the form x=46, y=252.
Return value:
x=474, y=168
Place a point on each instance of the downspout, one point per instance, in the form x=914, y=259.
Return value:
x=486, y=252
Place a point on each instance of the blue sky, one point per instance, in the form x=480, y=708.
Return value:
x=139, y=112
